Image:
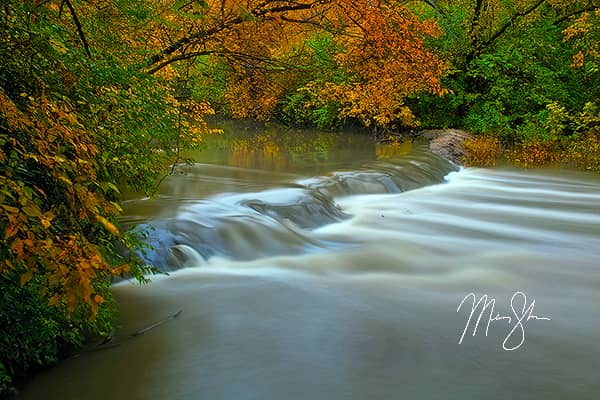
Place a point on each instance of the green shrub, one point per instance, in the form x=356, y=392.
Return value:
x=34, y=334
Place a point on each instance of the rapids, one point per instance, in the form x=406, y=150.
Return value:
x=340, y=276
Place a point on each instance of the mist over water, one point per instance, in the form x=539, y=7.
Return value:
x=340, y=278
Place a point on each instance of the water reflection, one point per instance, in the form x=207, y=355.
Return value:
x=278, y=148
x=255, y=157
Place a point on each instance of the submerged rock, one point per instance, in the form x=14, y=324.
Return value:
x=181, y=255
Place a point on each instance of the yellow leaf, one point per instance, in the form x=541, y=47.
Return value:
x=107, y=224
x=45, y=222
x=32, y=211
x=64, y=178
x=116, y=206
x=10, y=209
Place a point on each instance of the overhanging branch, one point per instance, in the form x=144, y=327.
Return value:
x=565, y=17
x=511, y=21
x=86, y=47
x=258, y=12
x=185, y=56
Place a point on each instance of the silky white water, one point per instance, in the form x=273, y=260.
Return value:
x=344, y=283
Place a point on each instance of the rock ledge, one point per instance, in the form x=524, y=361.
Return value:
x=447, y=143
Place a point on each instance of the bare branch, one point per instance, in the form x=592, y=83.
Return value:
x=181, y=57
x=259, y=11
x=511, y=21
x=565, y=17
x=79, y=29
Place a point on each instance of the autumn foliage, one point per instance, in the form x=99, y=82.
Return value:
x=534, y=153
x=53, y=203
x=77, y=121
x=482, y=151
x=385, y=58
x=584, y=152
x=256, y=54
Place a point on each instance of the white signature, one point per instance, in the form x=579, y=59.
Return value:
x=522, y=312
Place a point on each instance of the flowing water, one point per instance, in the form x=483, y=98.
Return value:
x=320, y=266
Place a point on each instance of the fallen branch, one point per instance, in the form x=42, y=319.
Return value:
x=158, y=323
x=107, y=343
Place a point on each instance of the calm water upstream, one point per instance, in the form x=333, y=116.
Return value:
x=319, y=266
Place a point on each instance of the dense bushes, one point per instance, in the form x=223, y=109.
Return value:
x=525, y=74
x=35, y=334
x=74, y=126
x=482, y=151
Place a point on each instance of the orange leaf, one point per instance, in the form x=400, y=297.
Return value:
x=18, y=249
x=98, y=299
x=11, y=231
x=53, y=300
x=26, y=277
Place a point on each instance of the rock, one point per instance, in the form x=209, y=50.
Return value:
x=447, y=143
x=181, y=256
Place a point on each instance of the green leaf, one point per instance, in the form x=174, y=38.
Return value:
x=32, y=211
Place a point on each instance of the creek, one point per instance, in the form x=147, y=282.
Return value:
x=312, y=265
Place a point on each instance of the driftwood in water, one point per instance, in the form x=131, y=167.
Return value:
x=108, y=343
